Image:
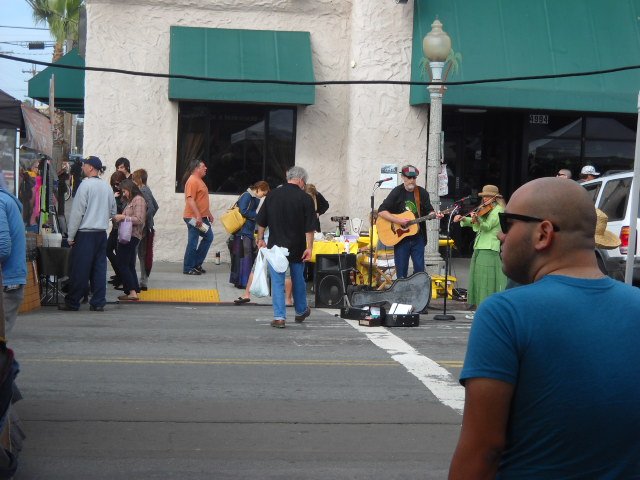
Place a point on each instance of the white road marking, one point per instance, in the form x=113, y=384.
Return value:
x=436, y=378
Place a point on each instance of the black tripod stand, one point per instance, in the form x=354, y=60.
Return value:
x=447, y=260
x=373, y=209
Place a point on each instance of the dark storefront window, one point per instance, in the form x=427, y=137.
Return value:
x=556, y=141
x=239, y=143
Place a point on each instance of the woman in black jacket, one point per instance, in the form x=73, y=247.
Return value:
x=319, y=202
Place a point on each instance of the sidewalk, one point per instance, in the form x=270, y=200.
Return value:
x=168, y=275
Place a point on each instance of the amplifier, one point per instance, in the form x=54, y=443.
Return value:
x=328, y=283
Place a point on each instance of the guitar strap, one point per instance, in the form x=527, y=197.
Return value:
x=416, y=196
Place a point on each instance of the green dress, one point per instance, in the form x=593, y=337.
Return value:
x=485, y=273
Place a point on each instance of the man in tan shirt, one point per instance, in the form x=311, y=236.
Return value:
x=198, y=218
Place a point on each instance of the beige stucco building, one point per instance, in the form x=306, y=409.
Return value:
x=342, y=139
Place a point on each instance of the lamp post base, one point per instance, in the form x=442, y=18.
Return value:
x=435, y=265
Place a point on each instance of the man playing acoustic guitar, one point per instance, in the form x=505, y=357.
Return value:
x=396, y=226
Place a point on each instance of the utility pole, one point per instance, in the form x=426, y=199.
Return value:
x=33, y=71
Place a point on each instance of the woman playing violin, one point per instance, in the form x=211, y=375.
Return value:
x=485, y=273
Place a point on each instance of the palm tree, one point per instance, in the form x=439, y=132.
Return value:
x=62, y=17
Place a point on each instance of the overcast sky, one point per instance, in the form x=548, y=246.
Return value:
x=17, y=13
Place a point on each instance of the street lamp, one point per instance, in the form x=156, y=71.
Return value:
x=436, y=46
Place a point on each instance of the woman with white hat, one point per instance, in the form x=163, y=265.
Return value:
x=485, y=273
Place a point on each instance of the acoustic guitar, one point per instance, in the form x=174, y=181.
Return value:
x=391, y=233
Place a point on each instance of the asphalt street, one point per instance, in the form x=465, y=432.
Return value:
x=157, y=391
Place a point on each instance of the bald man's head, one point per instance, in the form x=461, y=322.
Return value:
x=559, y=203
x=564, y=202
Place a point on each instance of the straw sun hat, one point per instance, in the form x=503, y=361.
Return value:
x=490, y=191
x=604, y=238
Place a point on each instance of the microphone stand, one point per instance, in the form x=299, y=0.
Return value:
x=444, y=316
x=371, y=222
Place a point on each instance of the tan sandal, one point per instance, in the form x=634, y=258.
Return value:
x=127, y=298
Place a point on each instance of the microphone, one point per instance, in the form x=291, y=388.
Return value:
x=380, y=182
x=462, y=199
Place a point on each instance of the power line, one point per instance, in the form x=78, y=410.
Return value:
x=23, y=28
x=25, y=43
x=326, y=82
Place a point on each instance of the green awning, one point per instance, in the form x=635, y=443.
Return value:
x=241, y=54
x=69, y=84
x=523, y=37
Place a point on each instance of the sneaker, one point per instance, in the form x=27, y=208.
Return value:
x=193, y=271
x=278, y=323
x=200, y=269
x=469, y=316
x=143, y=288
x=300, y=318
x=96, y=309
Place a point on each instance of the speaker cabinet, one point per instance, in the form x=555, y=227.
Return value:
x=327, y=284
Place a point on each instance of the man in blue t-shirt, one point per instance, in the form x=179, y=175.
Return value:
x=550, y=373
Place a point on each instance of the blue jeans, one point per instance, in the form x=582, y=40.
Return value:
x=88, y=266
x=299, y=290
x=126, y=258
x=195, y=254
x=411, y=247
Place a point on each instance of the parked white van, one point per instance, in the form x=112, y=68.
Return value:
x=612, y=194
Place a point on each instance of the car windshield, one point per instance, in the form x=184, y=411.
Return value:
x=593, y=189
x=615, y=197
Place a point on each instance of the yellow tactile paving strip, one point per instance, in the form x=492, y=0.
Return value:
x=180, y=296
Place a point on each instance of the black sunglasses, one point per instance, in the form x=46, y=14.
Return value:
x=505, y=224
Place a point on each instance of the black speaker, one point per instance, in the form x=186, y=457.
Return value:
x=327, y=284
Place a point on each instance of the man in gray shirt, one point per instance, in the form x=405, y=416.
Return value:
x=93, y=207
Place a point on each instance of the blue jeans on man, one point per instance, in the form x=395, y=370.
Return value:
x=410, y=247
x=88, y=266
x=299, y=290
x=195, y=253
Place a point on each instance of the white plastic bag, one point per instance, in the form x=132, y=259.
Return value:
x=124, y=230
x=259, y=284
x=277, y=258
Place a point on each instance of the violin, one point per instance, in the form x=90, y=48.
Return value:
x=483, y=209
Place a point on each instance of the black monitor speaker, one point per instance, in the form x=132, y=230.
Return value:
x=327, y=284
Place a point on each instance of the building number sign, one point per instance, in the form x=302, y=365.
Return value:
x=538, y=119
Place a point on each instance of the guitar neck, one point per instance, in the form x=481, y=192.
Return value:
x=421, y=219
x=427, y=217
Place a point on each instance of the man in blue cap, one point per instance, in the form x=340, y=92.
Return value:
x=93, y=207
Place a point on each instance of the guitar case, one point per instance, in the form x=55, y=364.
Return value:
x=414, y=290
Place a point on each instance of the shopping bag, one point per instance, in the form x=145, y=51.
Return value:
x=232, y=220
x=259, y=284
x=277, y=258
x=124, y=230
